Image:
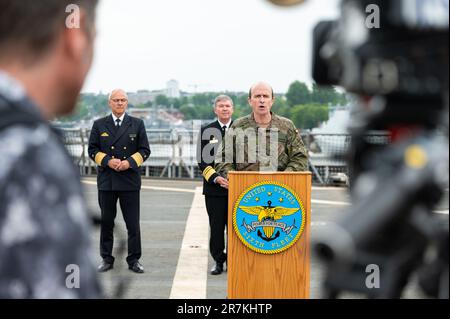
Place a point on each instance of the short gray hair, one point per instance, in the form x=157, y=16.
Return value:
x=117, y=90
x=222, y=97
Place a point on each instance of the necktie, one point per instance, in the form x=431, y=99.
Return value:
x=224, y=128
x=117, y=123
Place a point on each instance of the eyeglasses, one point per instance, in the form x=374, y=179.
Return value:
x=119, y=100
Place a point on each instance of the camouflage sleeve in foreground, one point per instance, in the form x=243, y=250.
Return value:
x=223, y=163
x=45, y=234
x=298, y=155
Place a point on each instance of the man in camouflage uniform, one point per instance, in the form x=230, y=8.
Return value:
x=45, y=249
x=262, y=141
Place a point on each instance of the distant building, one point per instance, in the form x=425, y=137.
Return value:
x=173, y=89
x=142, y=97
x=156, y=117
x=143, y=114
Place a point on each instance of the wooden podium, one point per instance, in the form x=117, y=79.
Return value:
x=255, y=275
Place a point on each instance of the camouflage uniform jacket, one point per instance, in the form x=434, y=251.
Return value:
x=244, y=140
x=45, y=249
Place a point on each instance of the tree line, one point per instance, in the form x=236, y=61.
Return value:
x=306, y=107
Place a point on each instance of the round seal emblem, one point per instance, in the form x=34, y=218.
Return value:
x=269, y=217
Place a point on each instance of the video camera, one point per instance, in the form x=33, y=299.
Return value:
x=395, y=49
x=384, y=47
x=393, y=56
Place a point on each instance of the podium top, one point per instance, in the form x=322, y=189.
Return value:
x=267, y=173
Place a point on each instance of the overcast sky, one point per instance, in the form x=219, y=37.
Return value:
x=206, y=45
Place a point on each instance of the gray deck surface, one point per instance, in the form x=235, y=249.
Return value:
x=163, y=219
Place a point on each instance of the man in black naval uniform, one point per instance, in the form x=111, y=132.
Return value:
x=118, y=144
x=214, y=186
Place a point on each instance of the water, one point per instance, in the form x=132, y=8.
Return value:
x=337, y=123
x=331, y=137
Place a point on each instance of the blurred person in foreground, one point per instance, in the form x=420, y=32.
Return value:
x=46, y=50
